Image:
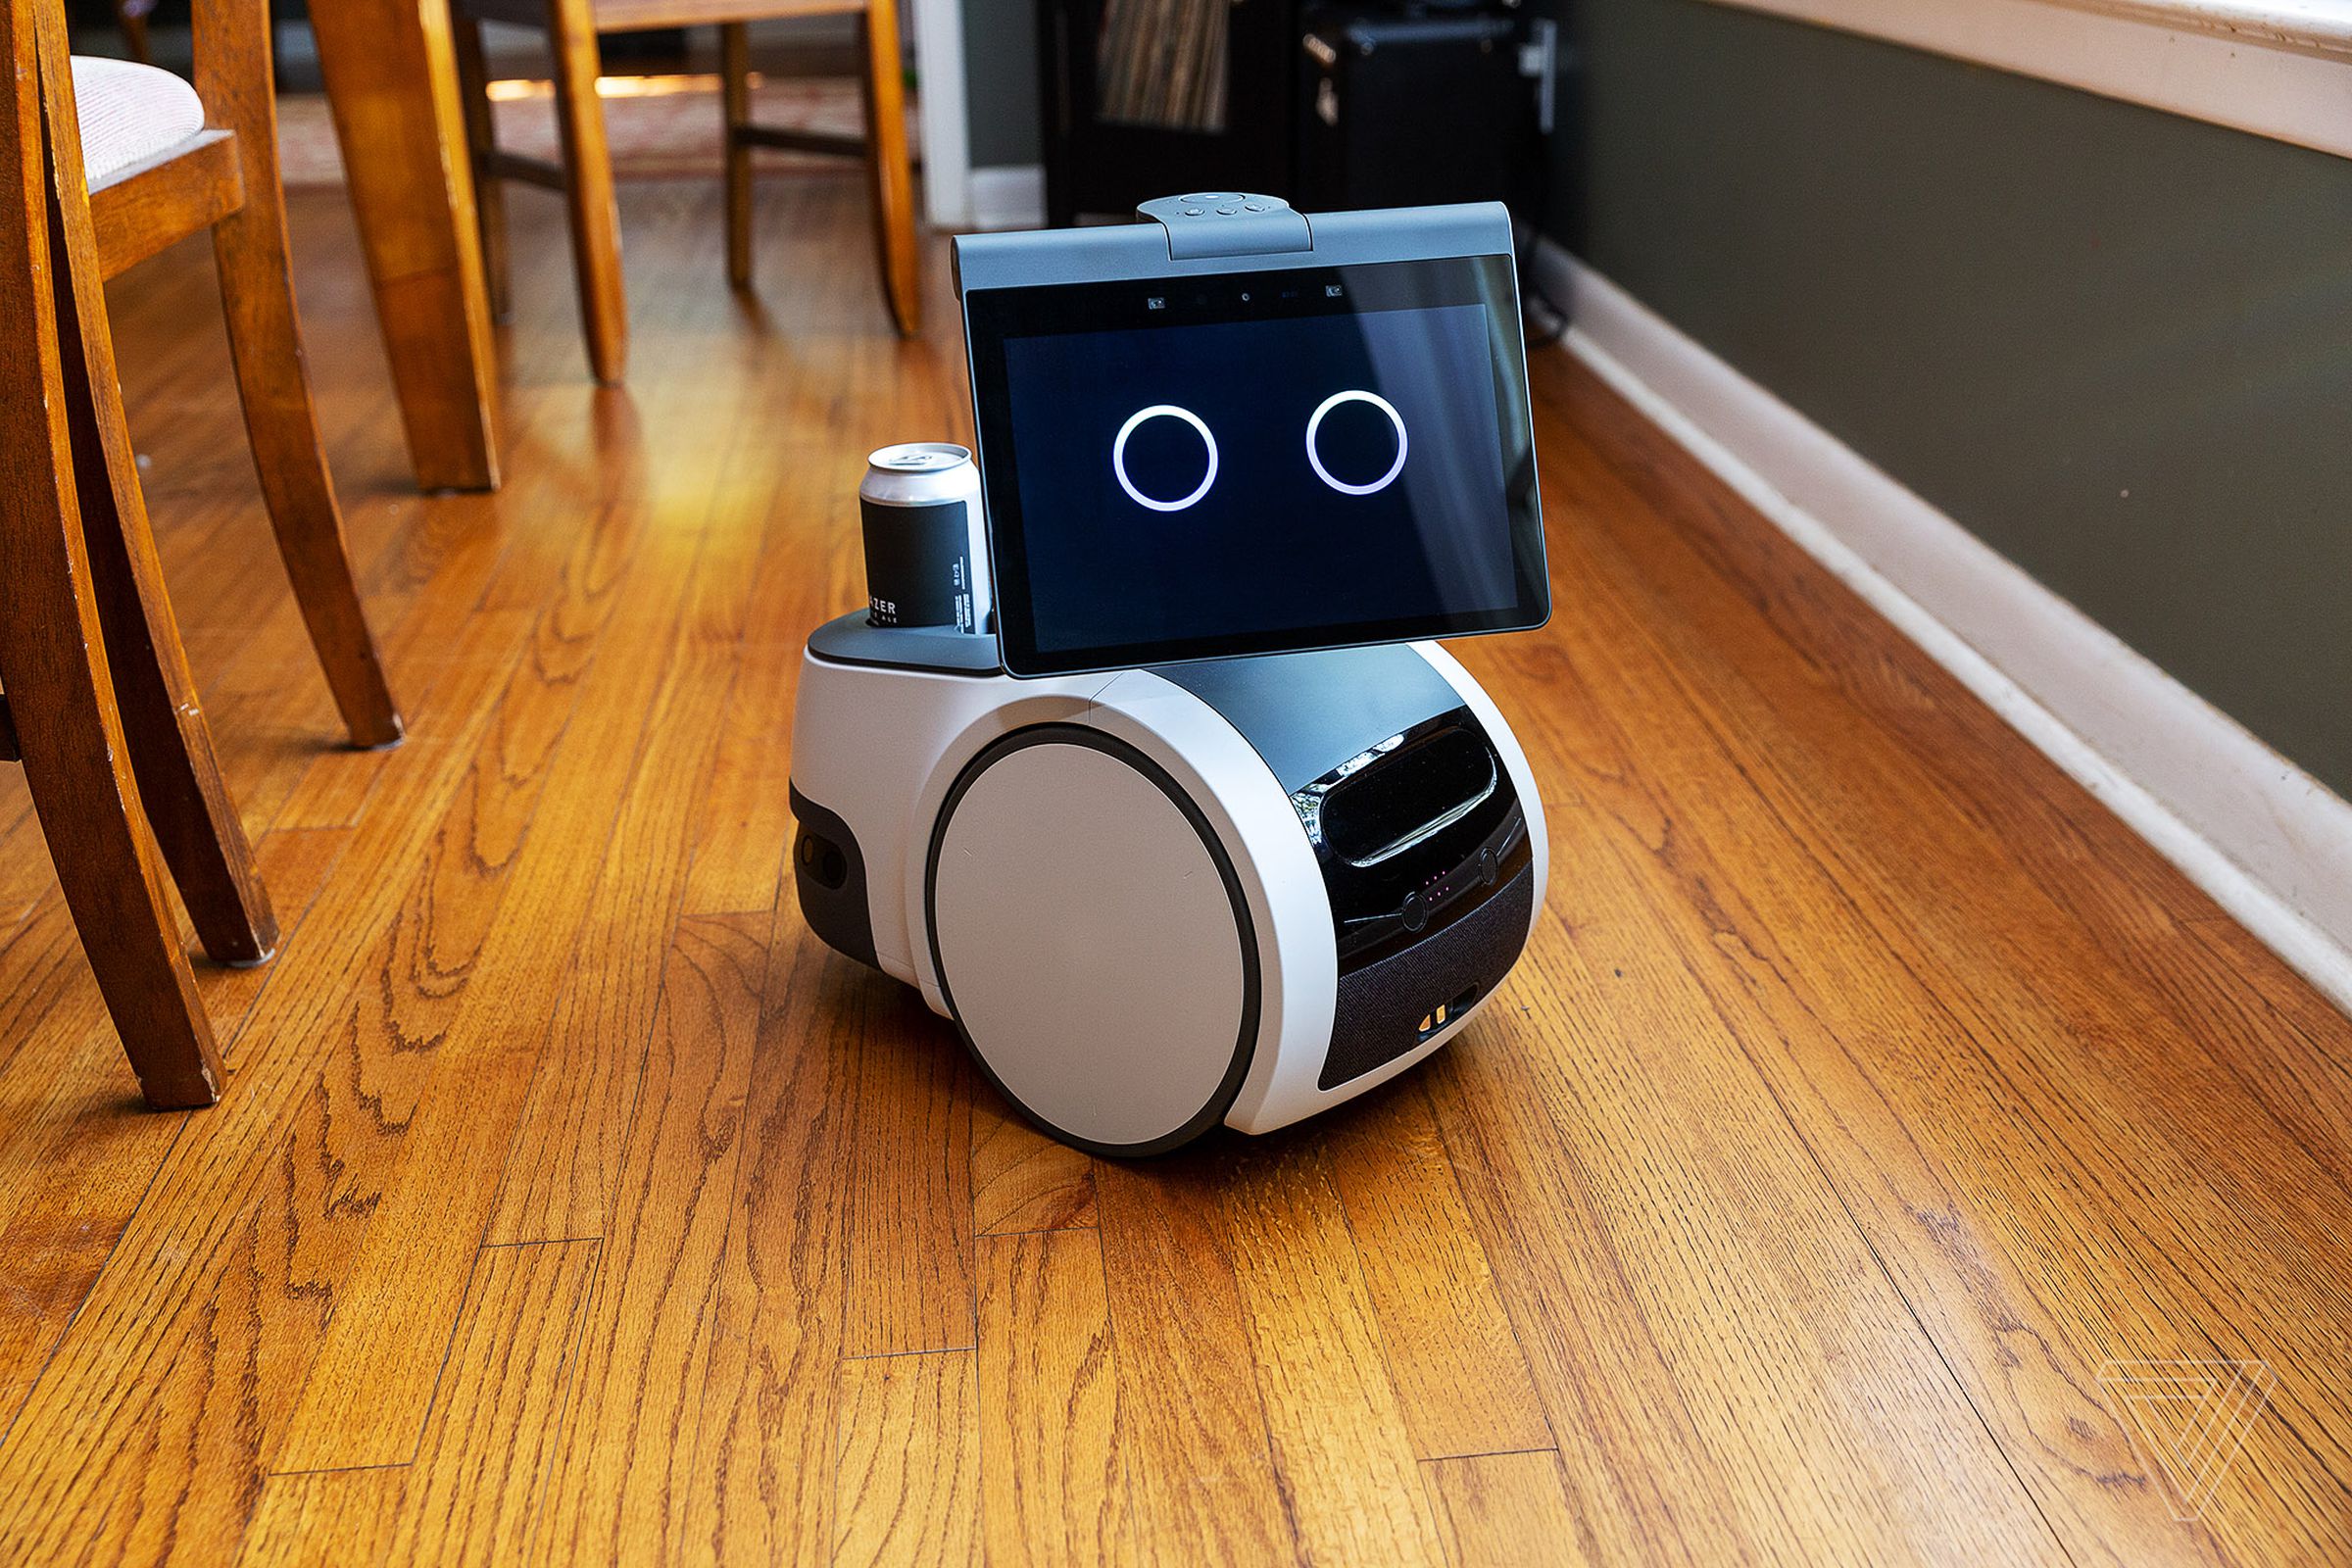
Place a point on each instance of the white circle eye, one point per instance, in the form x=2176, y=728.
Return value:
x=1118, y=456
x=1315, y=422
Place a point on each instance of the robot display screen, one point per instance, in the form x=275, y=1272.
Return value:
x=1256, y=463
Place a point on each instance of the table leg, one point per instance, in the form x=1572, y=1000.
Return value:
x=391, y=78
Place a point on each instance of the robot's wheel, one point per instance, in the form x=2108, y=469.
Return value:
x=1091, y=941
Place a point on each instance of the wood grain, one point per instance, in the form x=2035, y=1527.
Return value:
x=475, y=1487
x=766, y=1450
x=325, y=1519
x=1341, y=1444
x=2012, y=971
x=576, y=945
x=1460, y=1379
x=1200, y=1456
x=1021, y=1179
x=1053, y=1487
x=1865, y=1089
x=141, y=210
x=911, y=1235
x=1504, y=1508
x=297, y=1160
x=625, y=1476
x=907, y=1477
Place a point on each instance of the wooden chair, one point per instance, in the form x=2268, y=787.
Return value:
x=97, y=699
x=585, y=174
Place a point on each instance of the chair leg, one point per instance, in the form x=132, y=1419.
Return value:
x=168, y=743
x=51, y=655
x=90, y=809
x=130, y=16
x=481, y=145
x=735, y=77
x=886, y=161
x=265, y=339
x=588, y=188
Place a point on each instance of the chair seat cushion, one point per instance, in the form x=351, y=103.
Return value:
x=129, y=113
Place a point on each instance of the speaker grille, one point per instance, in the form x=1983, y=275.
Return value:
x=1380, y=1008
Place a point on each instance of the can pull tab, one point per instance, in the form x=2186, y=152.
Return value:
x=1213, y=224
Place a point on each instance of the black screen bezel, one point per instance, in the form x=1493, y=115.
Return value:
x=992, y=315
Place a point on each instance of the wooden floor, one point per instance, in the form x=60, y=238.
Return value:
x=1871, y=1127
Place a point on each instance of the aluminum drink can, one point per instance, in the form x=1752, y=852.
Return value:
x=926, y=551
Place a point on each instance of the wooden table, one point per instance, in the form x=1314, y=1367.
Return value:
x=391, y=78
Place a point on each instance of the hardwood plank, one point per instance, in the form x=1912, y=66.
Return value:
x=67, y=1148
x=909, y=1471
x=1504, y=1508
x=75, y=1157
x=1341, y=1444
x=47, y=1019
x=1729, y=1372
x=565, y=1161
x=2216, y=1193
x=566, y=1156
x=52, y=1000
x=1200, y=1454
x=2014, y=1353
x=168, y=1348
x=325, y=1519
x=746, y=825
x=575, y=877
x=473, y=1491
x=1459, y=1376
x=295, y=863
x=746, y=822
x=764, y=1453
x=1021, y=1179
x=909, y=1154
x=623, y=1477
x=283, y=1186
x=26, y=873
x=472, y=1494
x=1620, y=459
x=1053, y=1487
x=2287, y=1048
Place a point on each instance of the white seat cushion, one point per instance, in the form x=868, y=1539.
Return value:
x=129, y=113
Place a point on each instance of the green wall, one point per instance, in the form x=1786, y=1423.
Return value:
x=2114, y=343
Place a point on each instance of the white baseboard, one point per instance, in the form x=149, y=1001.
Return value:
x=2268, y=841
x=1008, y=196
x=2275, y=68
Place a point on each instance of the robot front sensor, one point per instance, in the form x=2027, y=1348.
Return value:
x=1203, y=828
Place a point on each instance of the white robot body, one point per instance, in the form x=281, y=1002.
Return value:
x=1154, y=900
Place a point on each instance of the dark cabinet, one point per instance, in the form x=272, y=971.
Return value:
x=1144, y=98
